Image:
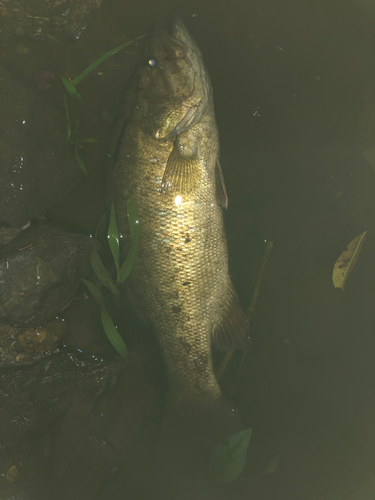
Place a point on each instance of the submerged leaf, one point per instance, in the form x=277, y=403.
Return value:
x=108, y=116
x=113, y=336
x=75, y=128
x=272, y=466
x=114, y=241
x=68, y=129
x=133, y=216
x=136, y=230
x=105, y=56
x=70, y=87
x=99, y=269
x=228, y=462
x=116, y=293
x=89, y=139
x=346, y=262
x=54, y=39
x=95, y=292
x=81, y=163
x=127, y=266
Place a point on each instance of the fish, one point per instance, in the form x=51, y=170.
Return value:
x=166, y=156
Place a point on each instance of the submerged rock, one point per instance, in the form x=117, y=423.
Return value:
x=40, y=271
x=23, y=346
x=66, y=423
x=37, y=166
x=36, y=18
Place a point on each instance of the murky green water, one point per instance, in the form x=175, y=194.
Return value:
x=294, y=97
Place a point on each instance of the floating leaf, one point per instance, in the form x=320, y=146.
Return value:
x=136, y=230
x=96, y=63
x=228, y=462
x=95, y=292
x=81, y=163
x=70, y=87
x=114, y=241
x=113, y=336
x=99, y=269
x=346, y=262
x=68, y=129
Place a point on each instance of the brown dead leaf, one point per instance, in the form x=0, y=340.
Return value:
x=346, y=262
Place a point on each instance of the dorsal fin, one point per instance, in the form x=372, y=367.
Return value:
x=232, y=330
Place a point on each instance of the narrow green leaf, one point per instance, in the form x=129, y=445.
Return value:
x=81, y=163
x=89, y=139
x=136, y=230
x=228, y=462
x=68, y=129
x=133, y=215
x=54, y=38
x=116, y=294
x=113, y=335
x=95, y=292
x=75, y=128
x=70, y=87
x=128, y=264
x=99, y=269
x=114, y=241
x=96, y=63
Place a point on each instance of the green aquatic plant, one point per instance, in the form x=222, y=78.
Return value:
x=123, y=268
x=71, y=85
x=228, y=461
x=54, y=39
x=74, y=141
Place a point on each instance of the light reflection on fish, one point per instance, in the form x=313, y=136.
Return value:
x=168, y=159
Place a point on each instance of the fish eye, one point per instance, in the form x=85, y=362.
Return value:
x=151, y=63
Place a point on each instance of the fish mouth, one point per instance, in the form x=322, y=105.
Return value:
x=178, y=45
x=178, y=29
x=174, y=36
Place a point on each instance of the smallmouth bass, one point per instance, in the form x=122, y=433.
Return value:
x=167, y=157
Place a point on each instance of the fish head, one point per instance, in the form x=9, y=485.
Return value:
x=171, y=86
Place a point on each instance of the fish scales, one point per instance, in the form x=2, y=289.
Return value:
x=168, y=162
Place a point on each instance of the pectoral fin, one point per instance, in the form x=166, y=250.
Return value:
x=232, y=330
x=182, y=173
x=221, y=191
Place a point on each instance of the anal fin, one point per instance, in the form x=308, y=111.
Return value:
x=232, y=330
